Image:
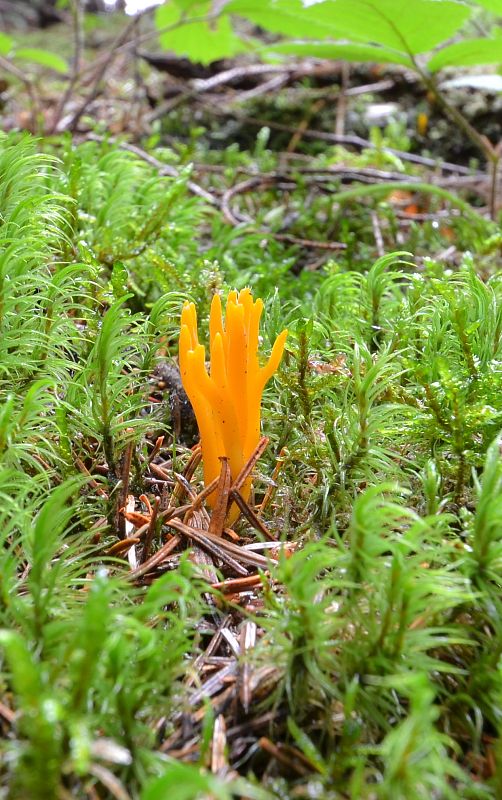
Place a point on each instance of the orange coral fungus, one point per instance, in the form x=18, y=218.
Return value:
x=227, y=400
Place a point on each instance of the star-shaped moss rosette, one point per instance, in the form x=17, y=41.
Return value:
x=227, y=399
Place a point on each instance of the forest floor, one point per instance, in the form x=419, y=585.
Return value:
x=343, y=638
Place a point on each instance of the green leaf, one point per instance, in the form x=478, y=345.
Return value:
x=487, y=522
x=51, y=522
x=287, y=17
x=6, y=43
x=42, y=57
x=347, y=52
x=201, y=41
x=472, y=52
x=25, y=675
x=408, y=27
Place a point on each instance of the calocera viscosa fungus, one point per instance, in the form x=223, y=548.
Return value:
x=227, y=399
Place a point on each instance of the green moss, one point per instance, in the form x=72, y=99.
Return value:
x=378, y=648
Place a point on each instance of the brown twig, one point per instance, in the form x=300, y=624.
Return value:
x=313, y=243
x=151, y=530
x=156, y=559
x=7, y=65
x=241, y=553
x=193, y=463
x=304, y=123
x=260, y=181
x=271, y=488
x=219, y=512
x=7, y=713
x=99, y=75
x=297, y=70
x=209, y=489
x=246, y=555
x=163, y=169
x=95, y=485
x=288, y=757
x=212, y=544
x=237, y=585
x=78, y=48
x=185, y=485
x=272, y=85
x=342, y=105
x=250, y=464
x=494, y=180
x=160, y=473
x=377, y=233
x=250, y=515
x=156, y=448
x=121, y=43
x=123, y=544
x=347, y=139
x=111, y=783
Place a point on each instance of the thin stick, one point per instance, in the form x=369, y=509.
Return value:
x=150, y=531
x=78, y=47
x=341, y=107
x=279, y=754
x=158, y=444
x=314, y=243
x=426, y=188
x=250, y=514
x=208, y=543
x=28, y=84
x=209, y=489
x=244, y=555
x=348, y=139
x=260, y=69
x=155, y=560
x=100, y=73
x=123, y=544
x=238, y=585
x=163, y=169
x=95, y=485
x=214, y=683
x=250, y=464
x=271, y=488
x=7, y=713
x=494, y=172
x=217, y=520
x=377, y=233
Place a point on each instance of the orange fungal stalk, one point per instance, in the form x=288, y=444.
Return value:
x=227, y=399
